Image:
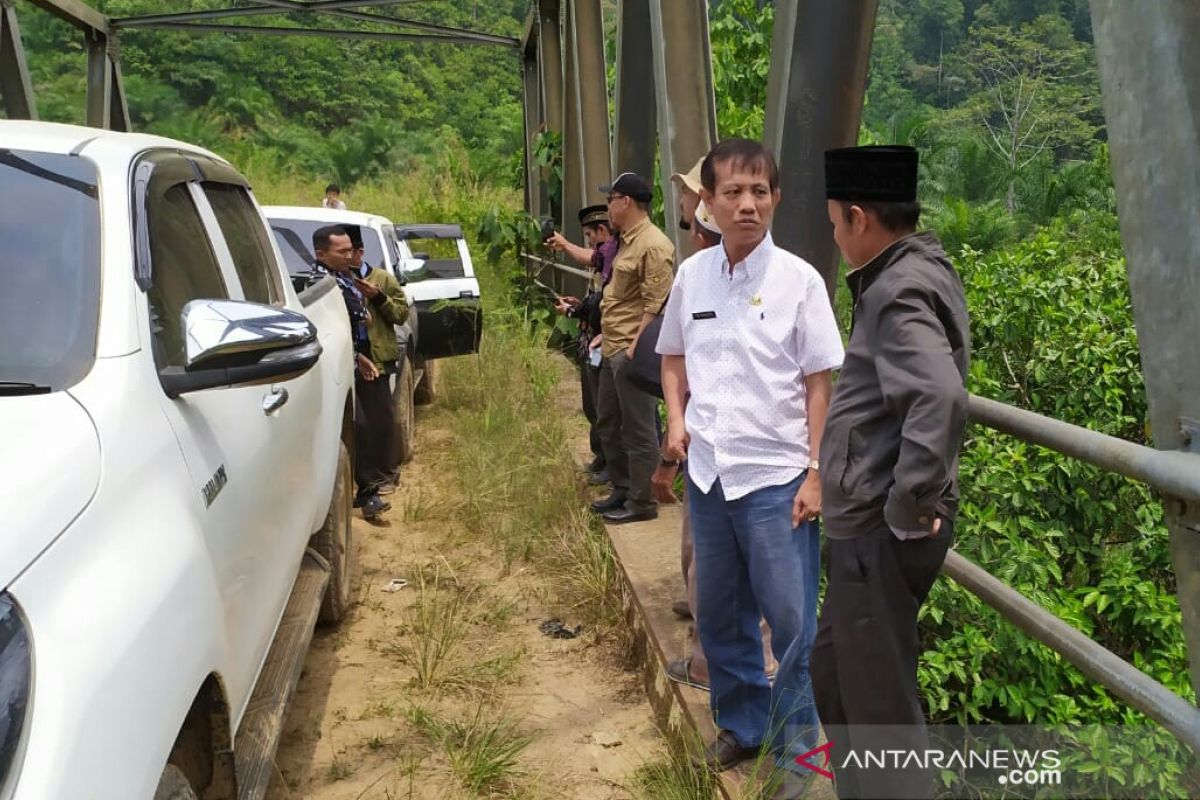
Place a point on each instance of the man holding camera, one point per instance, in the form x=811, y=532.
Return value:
x=598, y=254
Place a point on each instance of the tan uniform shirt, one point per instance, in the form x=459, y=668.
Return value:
x=641, y=279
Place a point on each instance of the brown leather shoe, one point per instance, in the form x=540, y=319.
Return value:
x=725, y=752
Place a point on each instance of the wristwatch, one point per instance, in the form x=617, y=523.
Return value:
x=814, y=465
x=666, y=462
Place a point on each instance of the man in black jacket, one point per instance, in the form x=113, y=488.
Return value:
x=889, y=472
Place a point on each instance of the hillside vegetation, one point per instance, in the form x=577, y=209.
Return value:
x=1002, y=98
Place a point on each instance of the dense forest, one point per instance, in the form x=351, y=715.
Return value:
x=1002, y=98
x=330, y=108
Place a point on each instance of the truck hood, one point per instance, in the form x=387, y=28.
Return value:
x=49, y=471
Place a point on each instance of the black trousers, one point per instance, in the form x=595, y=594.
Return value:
x=374, y=433
x=589, y=382
x=864, y=660
x=627, y=429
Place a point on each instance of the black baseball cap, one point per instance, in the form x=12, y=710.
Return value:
x=630, y=184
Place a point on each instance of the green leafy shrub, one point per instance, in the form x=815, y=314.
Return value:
x=1052, y=331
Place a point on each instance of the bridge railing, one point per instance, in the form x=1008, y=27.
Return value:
x=1175, y=474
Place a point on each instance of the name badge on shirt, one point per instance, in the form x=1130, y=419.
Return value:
x=704, y=315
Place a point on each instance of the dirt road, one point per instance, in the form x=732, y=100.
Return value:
x=447, y=688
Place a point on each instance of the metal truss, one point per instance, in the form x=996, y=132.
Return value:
x=106, y=103
x=1150, y=71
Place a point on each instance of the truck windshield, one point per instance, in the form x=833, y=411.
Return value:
x=295, y=242
x=50, y=303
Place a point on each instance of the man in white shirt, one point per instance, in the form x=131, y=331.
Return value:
x=750, y=334
x=333, y=197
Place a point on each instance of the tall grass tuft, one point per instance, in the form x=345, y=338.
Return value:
x=439, y=621
x=482, y=750
x=520, y=487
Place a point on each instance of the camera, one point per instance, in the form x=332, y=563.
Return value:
x=547, y=228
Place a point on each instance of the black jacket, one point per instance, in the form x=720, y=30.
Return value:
x=889, y=455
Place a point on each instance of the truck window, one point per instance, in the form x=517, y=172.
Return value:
x=184, y=268
x=247, y=241
x=49, y=306
x=295, y=242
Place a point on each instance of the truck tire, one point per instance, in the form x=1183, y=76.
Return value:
x=426, y=391
x=335, y=542
x=174, y=785
x=406, y=415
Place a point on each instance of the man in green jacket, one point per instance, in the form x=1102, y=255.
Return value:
x=376, y=425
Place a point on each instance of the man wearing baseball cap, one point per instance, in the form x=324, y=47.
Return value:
x=890, y=478
x=636, y=293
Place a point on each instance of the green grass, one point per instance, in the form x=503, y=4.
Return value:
x=520, y=489
x=483, y=750
x=437, y=624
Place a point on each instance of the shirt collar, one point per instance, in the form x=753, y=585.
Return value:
x=859, y=279
x=632, y=233
x=759, y=257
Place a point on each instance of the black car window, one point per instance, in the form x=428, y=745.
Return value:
x=184, y=267
x=247, y=240
x=295, y=242
x=50, y=304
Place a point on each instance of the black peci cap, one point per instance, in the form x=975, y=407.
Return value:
x=878, y=173
x=593, y=215
x=630, y=184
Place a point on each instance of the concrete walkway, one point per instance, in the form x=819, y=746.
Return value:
x=648, y=553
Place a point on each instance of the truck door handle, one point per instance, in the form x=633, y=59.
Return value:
x=274, y=400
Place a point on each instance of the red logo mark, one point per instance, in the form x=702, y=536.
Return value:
x=802, y=760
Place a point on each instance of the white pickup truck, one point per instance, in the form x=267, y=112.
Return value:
x=175, y=483
x=293, y=227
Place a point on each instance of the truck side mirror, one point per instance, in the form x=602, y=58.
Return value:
x=235, y=343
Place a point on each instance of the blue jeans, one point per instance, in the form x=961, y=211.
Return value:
x=750, y=561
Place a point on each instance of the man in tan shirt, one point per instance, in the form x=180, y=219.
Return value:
x=635, y=294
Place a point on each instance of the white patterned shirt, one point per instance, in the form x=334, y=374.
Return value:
x=748, y=337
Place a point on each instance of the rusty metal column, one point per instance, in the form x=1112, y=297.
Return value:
x=683, y=83
x=819, y=59
x=531, y=103
x=1150, y=75
x=572, y=136
x=551, y=70
x=15, y=86
x=99, y=80
x=586, y=33
x=118, y=112
x=633, y=150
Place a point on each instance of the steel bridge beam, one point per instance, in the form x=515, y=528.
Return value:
x=76, y=12
x=335, y=33
x=551, y=73
x=15, y=86
x=572, y=134
x=106, y=104
x=586, y=33
x=687, y=113
x=327, y=7
x=248, y=11
x=535, y=191
x=1150, y=77
x=633, y=149
x=819, y=59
